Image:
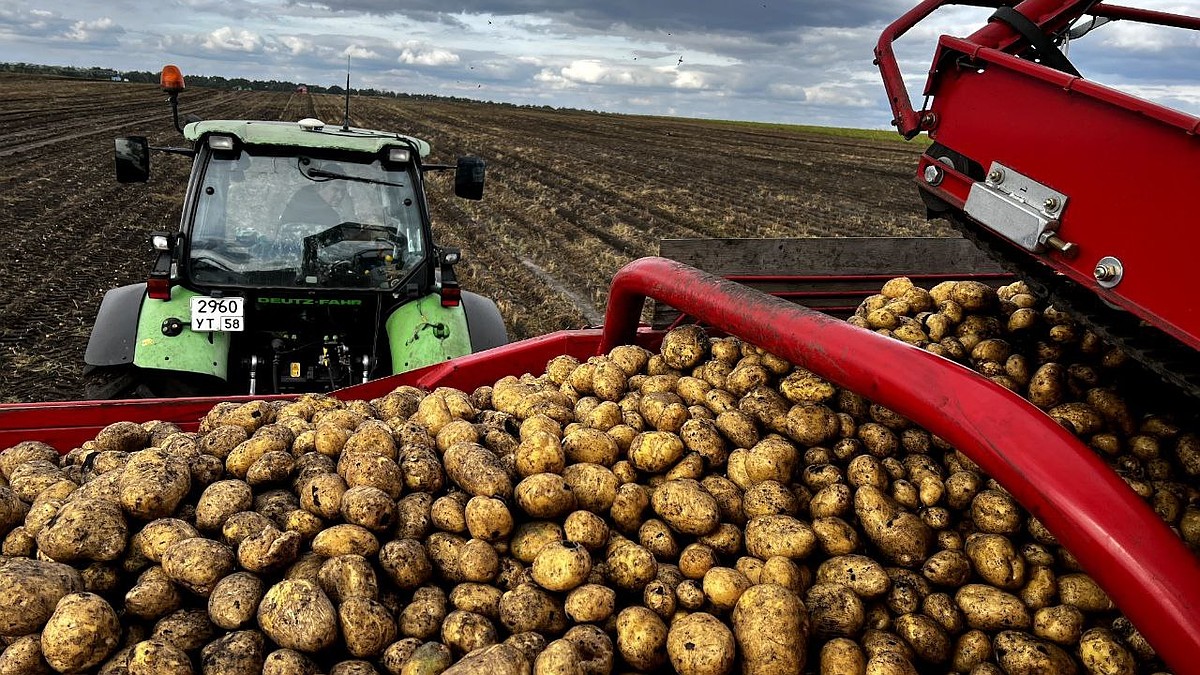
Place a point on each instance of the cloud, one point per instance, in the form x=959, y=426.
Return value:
x=226, y=39
x=100, y=30
x=753, y=16
x=425, y=56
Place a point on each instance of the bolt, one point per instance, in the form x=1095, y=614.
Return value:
x=995, y=176
x=1104, y=272
x=929, y=120
x=1051, y=204
x=1068, y=249
x=933, y=175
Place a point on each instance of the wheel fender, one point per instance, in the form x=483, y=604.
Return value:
x=484, y=322
x=113, y=340
x=206, y=353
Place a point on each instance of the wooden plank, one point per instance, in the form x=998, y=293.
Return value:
x=895, y=256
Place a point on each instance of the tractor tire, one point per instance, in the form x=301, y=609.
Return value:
x=128, y=381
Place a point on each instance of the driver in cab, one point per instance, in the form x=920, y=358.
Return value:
x=318, y=202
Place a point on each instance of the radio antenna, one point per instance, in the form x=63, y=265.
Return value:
x=346, y=116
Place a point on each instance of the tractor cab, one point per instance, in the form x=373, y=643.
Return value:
x=305, y=260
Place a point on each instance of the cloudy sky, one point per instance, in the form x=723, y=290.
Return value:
x=797, y=61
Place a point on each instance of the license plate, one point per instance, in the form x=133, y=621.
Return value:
x=217, y=314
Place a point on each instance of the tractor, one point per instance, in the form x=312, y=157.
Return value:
x=304, y=262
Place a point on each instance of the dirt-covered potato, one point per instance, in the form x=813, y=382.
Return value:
x=1023, y=654
x=84, y=529
x=197, y=564
x=237, y=653
x=771, y=626
x=189, y=629
x=561, y=566
x=842, y=655
x=81, y=633
x=655, y=451
x=221, y=500
x=529, y=608
x=29, y=592
x=234, y=600
x=345, y=539
x=291, y=662
x=779, y=535
x=641, y=638
x=834, y=610
x=151, y=657
x=23, y=656
x=988, y=608
x=700, y=644
x=153, y=596
x=296, y=614
x=422, y=617
x=367, y=628
x=476, y=470
x=590, y=603
x=686, y=506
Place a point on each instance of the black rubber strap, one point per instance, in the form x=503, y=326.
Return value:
x=1046, y=51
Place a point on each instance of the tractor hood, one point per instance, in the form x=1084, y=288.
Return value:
x=291, y=134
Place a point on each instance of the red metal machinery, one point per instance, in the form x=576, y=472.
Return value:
x=1080, y=186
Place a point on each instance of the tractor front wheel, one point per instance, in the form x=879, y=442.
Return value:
x=129, y=381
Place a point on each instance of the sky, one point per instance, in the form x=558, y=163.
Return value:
x=796, y=62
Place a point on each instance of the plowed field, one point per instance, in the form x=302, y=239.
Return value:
x=571, y=196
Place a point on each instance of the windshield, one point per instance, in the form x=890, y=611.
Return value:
x=304, y=222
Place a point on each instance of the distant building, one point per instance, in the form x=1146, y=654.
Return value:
x=302, y=89
x=115, y=78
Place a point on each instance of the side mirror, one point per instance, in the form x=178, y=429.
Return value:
x=133, y=159
x=468, y=178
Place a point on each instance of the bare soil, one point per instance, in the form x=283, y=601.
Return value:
x=571, y=197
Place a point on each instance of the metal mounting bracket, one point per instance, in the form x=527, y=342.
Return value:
x=1017, y=207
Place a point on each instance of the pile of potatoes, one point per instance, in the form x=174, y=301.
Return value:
x=703, y=509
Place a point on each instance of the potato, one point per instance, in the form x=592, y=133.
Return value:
x=593, y=485
x=241, y=525
x=684, y=347
x=478, y=598
x=590, y=603
x=296, y=614
x=926, y=638
x=545, y=496
x=81, y=633
x=221, y=500
x=841, y=656
x=24, y=657
x=561, y=566
x=902, y=536
x=493, y=660
x=1062, y=624
x=150, y=657
x=422, y=617
x=370, y=469
x=197, y=564
x=834, y=610
x=84, y=529
x=422, y=470
x=771, y=626
x=989, y=608
x=290, y=662
x=476, y=470
x=1079, y=590
x=367, y=627
x=369, y=507
x=234, y=600
x=1022, y=654
x=700, y=644
x=345, y=539
x=769, y=536
x=948, y=568
x=529, y=608
x=863, y=575
x=995, y=560
x=237, y=653
x=655, y=451
x=641, y=638
x=30, y=590
x=188, y=629
x=153, y=596
x=630, y=566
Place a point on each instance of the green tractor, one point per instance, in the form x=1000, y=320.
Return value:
x=304, y=262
